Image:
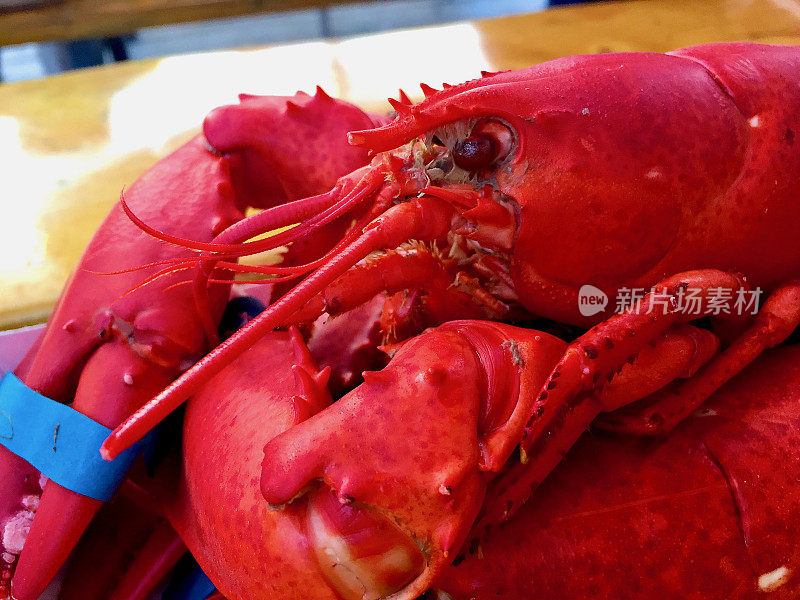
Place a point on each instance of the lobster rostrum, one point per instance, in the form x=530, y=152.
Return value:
x=118, y=336
x=516, y=189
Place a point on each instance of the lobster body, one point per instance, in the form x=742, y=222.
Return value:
x=591, y=159
x=498, y=197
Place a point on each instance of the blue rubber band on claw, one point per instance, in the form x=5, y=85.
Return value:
x=60, y=442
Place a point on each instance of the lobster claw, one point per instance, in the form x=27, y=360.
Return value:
x=408, y=455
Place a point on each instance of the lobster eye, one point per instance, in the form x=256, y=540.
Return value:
x=475, y=152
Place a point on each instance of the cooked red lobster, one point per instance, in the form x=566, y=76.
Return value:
x=495, y=200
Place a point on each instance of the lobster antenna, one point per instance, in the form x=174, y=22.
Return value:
x=311, y=213
x=424, y=218
x=279, y=216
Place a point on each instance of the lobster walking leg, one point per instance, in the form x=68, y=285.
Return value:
x=675, y=355
x=778, y=318
x=569, y=399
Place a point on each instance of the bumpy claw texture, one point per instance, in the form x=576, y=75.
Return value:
x=429, y=431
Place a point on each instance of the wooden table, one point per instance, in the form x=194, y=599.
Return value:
x=69, y=143
x=77, y=19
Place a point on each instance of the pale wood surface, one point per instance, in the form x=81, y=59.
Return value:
x=68, y=144
x=75, y=19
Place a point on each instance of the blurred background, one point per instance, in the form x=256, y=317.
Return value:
x=44, y=47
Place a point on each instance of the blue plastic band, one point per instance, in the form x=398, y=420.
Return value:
x=195, y=586
x=60, y=442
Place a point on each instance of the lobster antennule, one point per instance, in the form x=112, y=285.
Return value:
x=423, y=218
x=280, y=216
x=311, y=213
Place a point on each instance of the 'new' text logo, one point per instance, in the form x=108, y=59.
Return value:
x=591, y=300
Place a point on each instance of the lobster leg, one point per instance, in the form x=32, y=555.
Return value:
x=155, y=560
x=573, y=394
x=677, y=354
x=778, y=318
